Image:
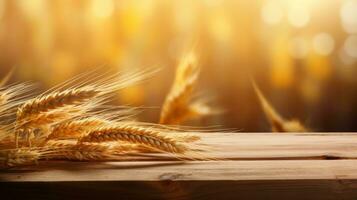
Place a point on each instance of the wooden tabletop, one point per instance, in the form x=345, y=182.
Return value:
x=249, y=166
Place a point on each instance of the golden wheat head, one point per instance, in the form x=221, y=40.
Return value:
x=179, y=105
x=136, y=135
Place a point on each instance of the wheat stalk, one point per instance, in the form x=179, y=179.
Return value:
x=135, y=135
x=277, y=122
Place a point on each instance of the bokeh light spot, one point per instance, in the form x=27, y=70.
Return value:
x=298, y=16
x=349, y=16
x=323, y=44
x=272, y=13
x=350, y=46
x=102, y=8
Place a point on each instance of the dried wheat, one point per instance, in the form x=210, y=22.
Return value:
x=55, y=101
x=178, y=106
x=74, y=129
x=135, y=135
x=70, y=150
x=91, y=92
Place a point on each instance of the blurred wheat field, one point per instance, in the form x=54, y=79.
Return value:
x=302, y=53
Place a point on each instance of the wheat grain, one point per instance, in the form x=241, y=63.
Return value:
x=135, y=135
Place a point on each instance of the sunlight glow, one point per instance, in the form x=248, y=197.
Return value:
x=299, y=47
x=1, y=8
x=102, y=8
x=323, y=44
x=350, y=46
x=272, y=13
x=298, y=15
x=349, y=16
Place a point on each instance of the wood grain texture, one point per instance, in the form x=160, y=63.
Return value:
x=260, y=166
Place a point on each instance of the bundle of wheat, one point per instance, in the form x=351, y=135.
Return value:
x=72, y=123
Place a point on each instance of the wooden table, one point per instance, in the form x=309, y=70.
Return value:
x=256, y=166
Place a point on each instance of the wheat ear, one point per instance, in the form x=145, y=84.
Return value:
x=53, y=107
x=277, y=122
x=43, y=121
x=56, y=100
x=76, y=128
x=87, y=91
x=176, y=107
x=71, y=150
x=81, y=152
x=135, y=135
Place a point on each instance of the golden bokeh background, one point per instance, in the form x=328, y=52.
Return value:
x=302, y=53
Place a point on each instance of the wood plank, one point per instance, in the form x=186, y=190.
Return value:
x=261, y=166
x=290, y=179
x=240, y=146
x=183, y=171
